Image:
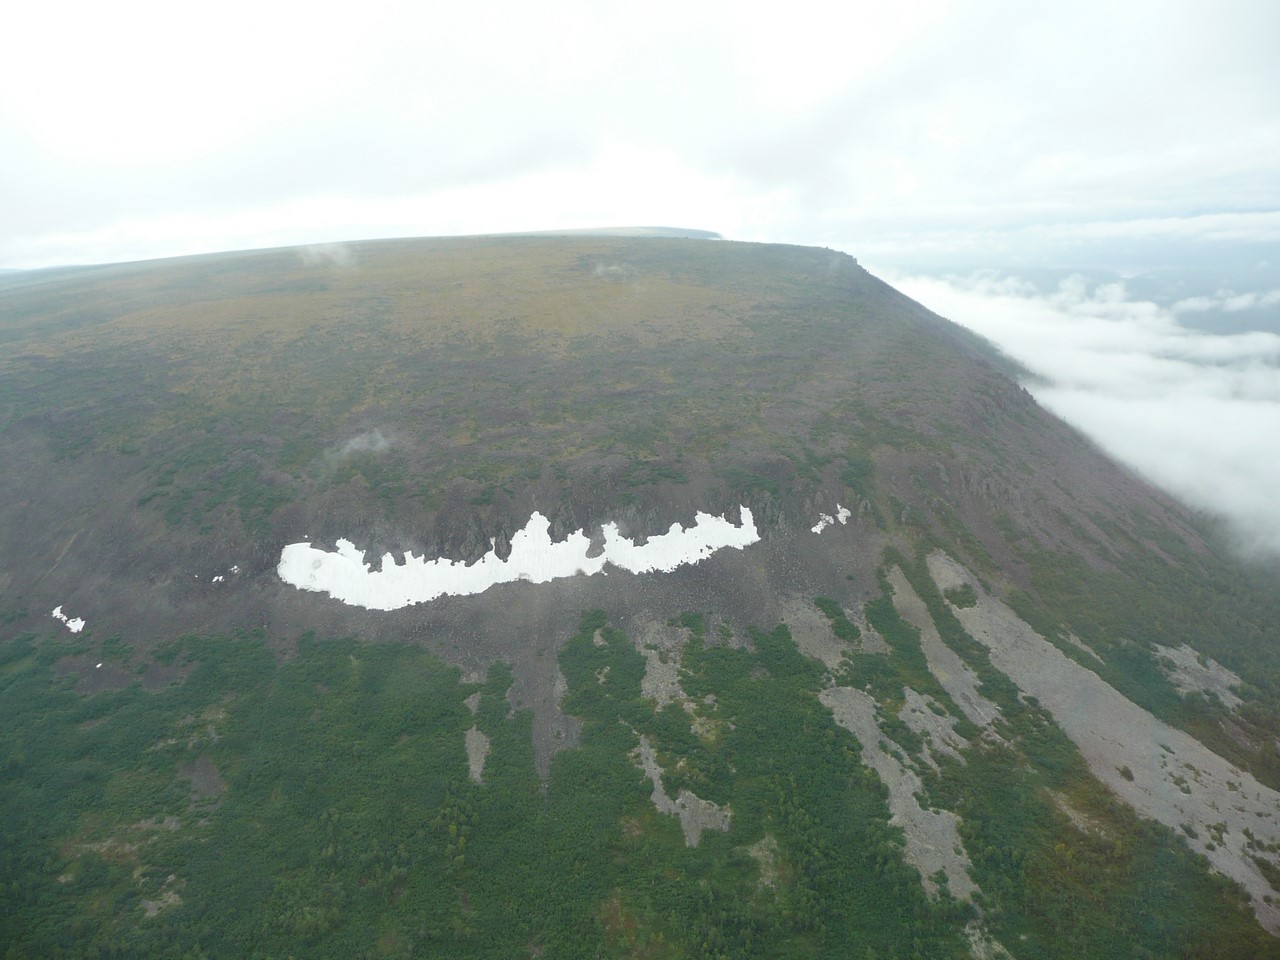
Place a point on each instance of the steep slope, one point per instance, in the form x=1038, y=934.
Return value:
x=739, y=460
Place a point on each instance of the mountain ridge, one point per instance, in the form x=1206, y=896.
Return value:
x=176, y=426
x=662, y=488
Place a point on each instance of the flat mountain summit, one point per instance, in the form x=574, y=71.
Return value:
x=595, y=595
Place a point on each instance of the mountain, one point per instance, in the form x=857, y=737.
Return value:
x=598, y=596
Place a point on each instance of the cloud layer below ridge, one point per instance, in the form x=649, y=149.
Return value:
x=1196, y=411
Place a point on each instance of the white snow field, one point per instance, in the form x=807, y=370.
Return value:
x=344, y=575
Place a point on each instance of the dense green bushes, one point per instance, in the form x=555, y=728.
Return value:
x=342, y=821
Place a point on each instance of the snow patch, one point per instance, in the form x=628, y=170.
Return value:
x=825, y=519
x=74, y=625
x=344, y=575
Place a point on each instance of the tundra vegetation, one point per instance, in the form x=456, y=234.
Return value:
x=219, y=765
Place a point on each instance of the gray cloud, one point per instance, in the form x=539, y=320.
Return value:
x=1195, y=411
x=944, y=127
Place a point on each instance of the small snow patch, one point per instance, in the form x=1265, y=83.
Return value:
x=825, y=519
x=74, y=625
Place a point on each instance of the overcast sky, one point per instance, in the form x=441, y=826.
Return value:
x=930, y=131
x=917, y=135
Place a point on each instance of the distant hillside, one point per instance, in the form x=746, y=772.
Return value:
x=598, y=595
x=679, y=232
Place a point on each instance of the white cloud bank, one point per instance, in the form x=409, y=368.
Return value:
x=1228, y=301
x=344, y=575
x=1197, y=412
x=976, y=131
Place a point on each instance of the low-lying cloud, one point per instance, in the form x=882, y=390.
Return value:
x=1197, y=412
x=370, y=441
x=328, y=254
x=1227, y=301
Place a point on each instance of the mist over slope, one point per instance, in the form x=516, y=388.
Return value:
x=705, y=523
x=1176, y=373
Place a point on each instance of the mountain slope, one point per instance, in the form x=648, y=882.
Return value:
x=700, y=718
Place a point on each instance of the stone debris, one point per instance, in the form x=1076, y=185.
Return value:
x=1162, y=772
x=696, y=814
x=168, y=898
x=765, y=853
x=944, y=663
x=1192, y=672
x=921, y=714
x=812, y=633
x=477, y=753
x=982, y=946
x=932, y=836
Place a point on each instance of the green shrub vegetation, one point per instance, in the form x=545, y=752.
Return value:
x=321, y=805
x=840, y=624
x=962, y=596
